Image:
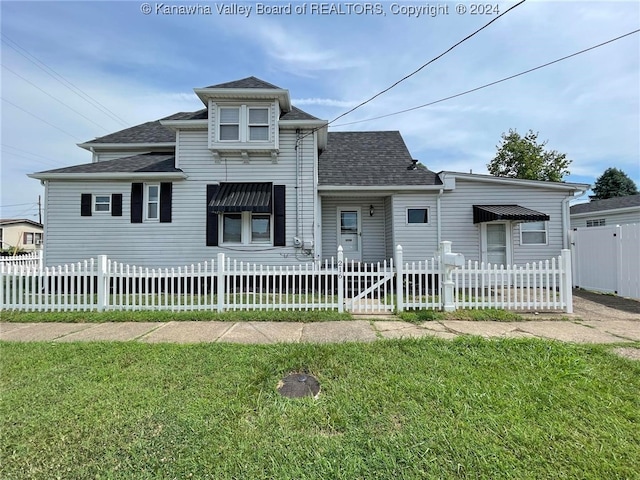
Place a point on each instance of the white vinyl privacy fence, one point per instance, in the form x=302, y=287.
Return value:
x=224, y=284
x=607, y=259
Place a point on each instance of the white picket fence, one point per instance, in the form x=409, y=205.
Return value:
x=224, y=284
x=33, y=259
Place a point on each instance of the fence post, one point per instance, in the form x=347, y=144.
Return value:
x=220, y=282
x=399, y=280
x=102, y=282
x=340, y=279
x=567, y=284
x=448, y=304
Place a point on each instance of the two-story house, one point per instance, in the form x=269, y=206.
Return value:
x=255, y=177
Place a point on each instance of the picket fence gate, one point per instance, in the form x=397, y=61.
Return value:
x=225, y=284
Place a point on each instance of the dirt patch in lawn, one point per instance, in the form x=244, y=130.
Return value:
x=628, y=352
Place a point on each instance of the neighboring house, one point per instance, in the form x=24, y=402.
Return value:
x=612, y=211
x=20, y=235
x=254, y=177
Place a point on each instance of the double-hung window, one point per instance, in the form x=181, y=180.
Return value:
x=229, y=124
x=533, y=233
x=152, y=202
x=259, y=124
x=243, y=123
x=102, y=203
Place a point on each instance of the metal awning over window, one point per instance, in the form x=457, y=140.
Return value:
x=242, y=197
x=490, y=213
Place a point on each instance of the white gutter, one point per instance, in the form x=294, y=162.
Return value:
x=110, y=176
x=127, y=146
x=381, y=188
x=566, y=216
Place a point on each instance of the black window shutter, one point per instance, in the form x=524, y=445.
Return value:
x=212, y=218
x=136, y=202
x=85, y=204
x=279, y=220
x=116, y=205
x=165, y=202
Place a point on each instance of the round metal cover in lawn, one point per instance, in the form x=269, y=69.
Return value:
x=299, y=385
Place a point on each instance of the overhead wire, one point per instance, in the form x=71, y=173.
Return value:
x=428, y=63
x=55, y=98
x=61, y=79
x=41, y=119
x=491, y=83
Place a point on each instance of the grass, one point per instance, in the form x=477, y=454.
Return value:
x=410, y=409
x=493, y=314
x=167, y=316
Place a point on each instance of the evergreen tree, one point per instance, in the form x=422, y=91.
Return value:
x=613, y=183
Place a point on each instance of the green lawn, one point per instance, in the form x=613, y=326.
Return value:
x=429, y=408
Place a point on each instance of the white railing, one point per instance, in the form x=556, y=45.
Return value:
x=33, y=259
x=224, y=284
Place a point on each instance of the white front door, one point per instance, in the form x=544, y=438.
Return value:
x=496, y=243
x=349, y=232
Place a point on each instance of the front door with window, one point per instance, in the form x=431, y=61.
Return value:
x=496, y=243
x=349, y=233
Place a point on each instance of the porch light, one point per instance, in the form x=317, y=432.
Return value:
x=371, y=211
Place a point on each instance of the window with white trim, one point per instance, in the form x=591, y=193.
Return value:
x=229, y=124
x=259, y=124
x=600, y=222
x=246, y=228
x=102, y=203
x=243, y=123
x=152, y=201
x=417, y=216
x=533, y=233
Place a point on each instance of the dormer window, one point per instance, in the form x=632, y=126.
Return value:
x=230, y=124
x=259, y=124
x=243, y=123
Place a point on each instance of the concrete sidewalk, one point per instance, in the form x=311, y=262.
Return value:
x=365, y=330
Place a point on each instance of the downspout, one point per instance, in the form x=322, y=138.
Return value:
x=438, y=217
x=565, y=217
x=297, y=188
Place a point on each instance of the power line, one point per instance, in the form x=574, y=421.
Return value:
x=56, y=99
x=41, y=119
x=26, y=151
x=52, y=73
x=492, y=83
x=428, y=63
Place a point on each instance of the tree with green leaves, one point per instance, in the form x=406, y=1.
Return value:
x=613, y=183
x=524, y=157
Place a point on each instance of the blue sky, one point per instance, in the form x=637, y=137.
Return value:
x=144, y=67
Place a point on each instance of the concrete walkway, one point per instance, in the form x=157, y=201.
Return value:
x=597, y=319
x=368, y=330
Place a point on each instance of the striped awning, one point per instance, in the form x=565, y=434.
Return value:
x=242, y=197
x=490, y=213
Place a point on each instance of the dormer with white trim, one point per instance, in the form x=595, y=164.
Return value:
x=244, y=116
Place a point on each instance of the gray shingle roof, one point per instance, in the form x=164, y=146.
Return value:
x=297, y=114
x=249, y=82
x=145, y=163
x=608, y=204
x=13, y=221
x=150, y=132
x=155, y=132
x=370, y=159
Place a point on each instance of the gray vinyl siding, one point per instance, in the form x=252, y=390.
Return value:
x=418, y=241
x=110, y=155
x=611, y=218
x=73, y=238
x=373, y=227
x=458, y=226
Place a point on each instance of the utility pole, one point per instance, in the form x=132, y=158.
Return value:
x=39, y=210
